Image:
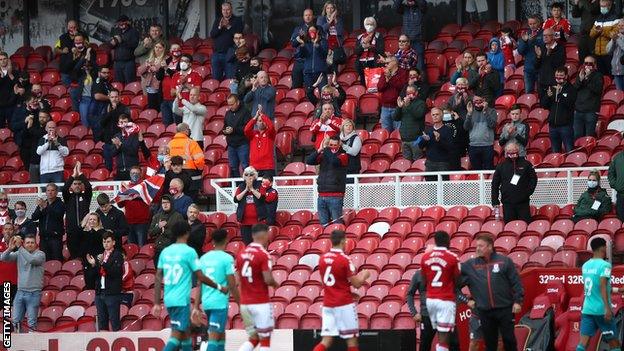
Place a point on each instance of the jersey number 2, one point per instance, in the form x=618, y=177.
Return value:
x=328, y=277
x=246, y=271
x=436, y=279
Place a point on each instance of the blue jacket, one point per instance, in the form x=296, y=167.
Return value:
x=527, y=49
x=413, y=17
x=497, y=59
x=301, y=29
x=315, y=57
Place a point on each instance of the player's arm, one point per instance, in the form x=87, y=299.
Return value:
x=605, y=298
x=202, y=278
x=197, y=297
x=233, y=287
x=157, y=284
x=268, y=278
x=359, y=279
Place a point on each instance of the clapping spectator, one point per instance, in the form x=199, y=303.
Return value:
x=185, y=79
x=23, y=118
x=198, y=230
x=7, y=83
x=193, y=113
x=615, y=48
x=261, y=143
x=240, y=62
x=112, y=218
x=604, y=29
x=6, y=214
x=137, y=211
x=548, y=57
x=531, y=38
x=595, y=202
x=255, y=66
x=271, y=198
x=110, y=125
x=251, y=207
x=588, y=86
x=300, y=32
x=146, y=46
x=406, y=56
x=236, y=118
x=390, y=85
x=462, y=96
x=124, y=39
x=330, y=24
x=126, y=147
x=180, y=201
x=587, y=10
x=332, y=93
x=560, y=98
x=90, y=241
x=232, y=65
x=65, y=43
x=413, y=12
x=466, y=68
x=262, y=93
x=222, y=34
x=176, y=170
x=489, y=83
x=516, y=131
x=411, y=113
x=182, y=145
x=165, y=76
x=35, y=130
x=415, y=78
x=559, y=24
x=327, y=126
x=368, y=48
x=8, y=269
x=50, y=212
x=22, y=224
x=79, y=65
x=156, y=61
x=455, y=122
x=352, y=145
x=437, y=142
x=77, y=193
x=480, y=123
x=313, y=50
x=52, y=149
x=162, y=222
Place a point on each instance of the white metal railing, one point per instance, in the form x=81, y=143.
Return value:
x=406, y=189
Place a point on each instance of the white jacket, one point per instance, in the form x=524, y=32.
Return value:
x=193, y=115
x=52, y=157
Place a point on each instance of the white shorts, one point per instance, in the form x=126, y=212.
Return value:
x=441, y=314
x=340, y=321
x=258, y=319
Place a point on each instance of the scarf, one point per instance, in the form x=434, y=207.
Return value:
x=105, y=257
x=129, y=129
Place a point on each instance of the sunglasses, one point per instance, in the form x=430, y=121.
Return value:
x=403, y=41
x=248, y=174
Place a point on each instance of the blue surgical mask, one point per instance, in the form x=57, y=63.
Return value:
x=447, y=117
x=20, y=213
x=592, y=184
x=604, y=10
x=161, y=158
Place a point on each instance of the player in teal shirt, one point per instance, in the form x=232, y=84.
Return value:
x=219, y=266
x=596, y=313
x=176, y=265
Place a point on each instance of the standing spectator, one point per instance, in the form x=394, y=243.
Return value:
x=108, y=292
x=331, y=180
x=110, y=125
x=413, y=12
x=23, y=118
x=50, y=212
x=588, y=85
x=481, y=123
x=162, y=224
x=406, y=56
x=508, y=46
x=124, y=39
x=7, y=82
x=477, y=10
x=587, y=10
x=30, y=140
x=192, y=153
x=462, y=96
x=251, y=207
x=99, y=101
x=262, y=94
x=415, y=78
x=261, y=143
x=351, y=144
x=22, y=224
x=90, y=241
x=455, y=122
x=6, y=214
x=176, y=170
x=390, y=85
x=559, y=98
x=112, y=218
x=52, y=149
x=328, y=125
x=222, y=34
x=149, y=78
x=80, y=65
x=165, y=76
x=313, y=49
x=236, y=119
x=489, y=83
x=255, y=66
x=271, y=198
x=496, y=297
x=65, y=42
x=515, y=180
x=136, y=211
x=548, y=57
x=233, y=62
x=67, y=60
x=594, y=202
x=185, y=79
x=531, y=38
x=496, y=59
x=616, y=182
x=466, y=68
x=30, y=270
x=330, y=23
x=8, y=269
x=181, y=201
x=516, y=130
x=604, y=29
x=411, y=113
x=148, y=44
x=300, y=32
x=559, y=24
x=126, y=147
x=77, y=194
x=437, y=142
x=615, y=48
x=198, y=229
x=332, y=93
x=193, y=113
x=368, y=48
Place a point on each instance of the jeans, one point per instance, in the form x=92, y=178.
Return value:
x=297, y=75
x=107, y=154
x=238, y=156
x=386, y=120
x=26, y=302
x=55, y=177
x=419, y=47
x=498, y=321
x=619, y=82
x=166, y=108
x=584, y=124
x=521, y=211
x=108, y=307
x=75, y=95
x=619, y=206
x=559, y=135
x=137, y=233
x=35, y=177
x=481, y=157
x=125, y=71
x=330, y=207
x=84, y=107
x=52, y=248
x=218, y=62
x=6, y=113
x=530, y=78
x=230, y=70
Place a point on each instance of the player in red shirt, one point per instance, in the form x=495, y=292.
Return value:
x=557, y=22
x=339, y=313
x=253, y=267
x=440, y=270
x=185, y=79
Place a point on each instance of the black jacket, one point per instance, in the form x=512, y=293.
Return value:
x=488, y=87
x=109, y=122
x=438, y=150
x=546, y=64
x=124, y=50
x=7, y=91
x=113, y=269
x=128, y=153
x=114, y=221
x=184, y=176
x=90, y=244
x=51, y=224
x=197, y=237
x=261, y=210
x=561, y=106
x=27, y=227
x=223, y=38
x=237, y=120
x=589, y=92
x=76, y=205
x=332, y=176
x=501, y=182
x=494, y=283
x=66, y=40
x=18, y=125
x=78, y=67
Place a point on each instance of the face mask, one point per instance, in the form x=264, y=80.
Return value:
x=176, y=53
x=461, y=90
x=334, y=149
x=604, y=10
x=161, y=158
x=20, y=213
x=39, y=94
x=560, y=81
x=4, y=203
x=512, y=155
x=135, y=177
x=369, y=28
x=478, y=107
x=122, y=124
x=592, y=184
x=72, y=32
x=79, y=46
x=447, y=117
x=173, y=191
x=184, y=66
x=326, y=97
x=411, y=96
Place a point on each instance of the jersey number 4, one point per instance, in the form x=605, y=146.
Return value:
x=436, y=279
x=328, y=277
x=246, y=272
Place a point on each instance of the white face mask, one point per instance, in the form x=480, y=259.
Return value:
x=184, y=66
x=447, y=117
x=604, y=10
x=369, y=28
x=592, y=184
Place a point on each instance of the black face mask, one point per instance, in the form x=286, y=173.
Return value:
x=254, y=69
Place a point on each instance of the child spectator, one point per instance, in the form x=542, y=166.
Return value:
x=270, y=198
x=516, y=130
x=496, y=58
x=559, y=24
x=508, y=45
x=127, y=282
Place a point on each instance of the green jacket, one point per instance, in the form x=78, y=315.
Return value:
x=616, y=173
x=166, y=237
x=583, y=206
x=412, y=119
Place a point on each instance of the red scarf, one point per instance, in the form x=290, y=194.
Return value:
x=105, y=255
x=129, y=129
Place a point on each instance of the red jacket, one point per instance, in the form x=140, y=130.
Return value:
x=391, y=89
x=192, y=79
x=261, y=144
x=137, y=211
x=330, y=128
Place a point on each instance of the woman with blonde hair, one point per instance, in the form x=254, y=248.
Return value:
x=333, y=29
x=150, y=83
x=91, y=244
x=351, y=144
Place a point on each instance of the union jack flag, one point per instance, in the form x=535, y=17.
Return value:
x=147, y=190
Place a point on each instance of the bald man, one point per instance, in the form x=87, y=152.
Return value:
x=262, y=93
x=548, y=57
x=52, y=149
x=181, y=201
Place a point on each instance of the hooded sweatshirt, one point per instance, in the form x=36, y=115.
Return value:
x=497, y=58
x=480, y=126
x=608, y=23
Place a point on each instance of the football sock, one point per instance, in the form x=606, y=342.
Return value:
x=265, y=344
x=216, y=345
x=580, y=347
x=247, y=346
x=172, y=344
x=319, y=347
x=186, y=345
